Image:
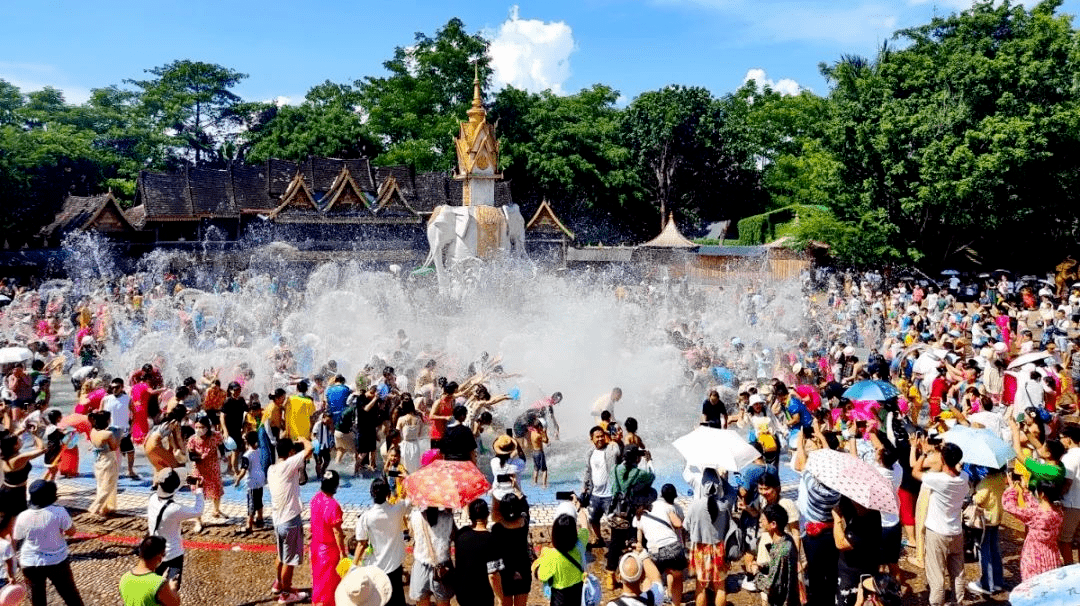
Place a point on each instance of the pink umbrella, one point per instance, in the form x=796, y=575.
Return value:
x=449, y=484
x=850, y=476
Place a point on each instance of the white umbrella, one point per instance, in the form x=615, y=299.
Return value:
x=927, y=364
x=1027, y=358
x=716, y=448
x=11, y=355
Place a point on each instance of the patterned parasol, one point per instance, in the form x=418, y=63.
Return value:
x=449, y=484
x=850, y=476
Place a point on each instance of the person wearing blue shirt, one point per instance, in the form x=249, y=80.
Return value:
x=793, y=409
x=337, y=395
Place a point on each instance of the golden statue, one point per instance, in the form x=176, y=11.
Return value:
x=1066, y=274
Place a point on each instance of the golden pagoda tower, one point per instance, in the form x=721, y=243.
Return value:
x=477, y=154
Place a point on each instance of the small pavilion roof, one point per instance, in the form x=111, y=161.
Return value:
x=670, y=237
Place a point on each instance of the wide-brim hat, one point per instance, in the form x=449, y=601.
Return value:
x=503, y=445
x=364, y=586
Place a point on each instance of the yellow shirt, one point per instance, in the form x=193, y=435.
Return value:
x=298, y=412
x=988, y=496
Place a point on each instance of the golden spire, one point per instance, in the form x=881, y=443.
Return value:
x=476, y=113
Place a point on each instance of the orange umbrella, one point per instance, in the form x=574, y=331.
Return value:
x=80, y=423
x=446, y=484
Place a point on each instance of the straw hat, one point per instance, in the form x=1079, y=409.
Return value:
x=503, y=445
x=364, y=586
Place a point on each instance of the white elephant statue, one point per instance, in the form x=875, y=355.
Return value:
x=456, y=233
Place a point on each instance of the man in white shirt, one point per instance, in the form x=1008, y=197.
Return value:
x=283, y=480
x=122, y=411
x=381, y=526
x=607, y=402
x=1070, y=525
x=164, y=517
x=990, y=419
x=598, y=469
x=944, y=533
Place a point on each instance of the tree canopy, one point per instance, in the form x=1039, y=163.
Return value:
x=952, y=144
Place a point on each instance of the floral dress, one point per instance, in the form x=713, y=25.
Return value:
x=208, y=466
x=1040, y=552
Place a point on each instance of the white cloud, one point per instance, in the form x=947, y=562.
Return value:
x=30, y=77
x=531, y=54
x=784, y=86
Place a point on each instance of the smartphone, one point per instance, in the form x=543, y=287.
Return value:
x=393, y=473
x=503, y=478
x=564, y=495
x=192, y=480
x=808, y=432
x=510, y=432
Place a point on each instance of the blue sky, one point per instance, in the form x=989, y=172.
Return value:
x=286, y=48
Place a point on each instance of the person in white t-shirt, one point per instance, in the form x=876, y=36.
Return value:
x=381, y=526
x=165, y=516
x=122, y=409
x=944, y=531
x=1070, y=501
x=606, y=402
x=283, y=480
x=659, y=526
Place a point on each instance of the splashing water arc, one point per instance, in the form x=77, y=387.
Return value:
x=555, y=330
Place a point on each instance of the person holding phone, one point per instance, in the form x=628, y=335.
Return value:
x=164, y=516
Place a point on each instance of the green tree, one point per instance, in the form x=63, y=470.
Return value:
x=194, y=100
x=567, y=149
x=958, y=146
x=675, y=135
x=327, y=123
x=415, y=110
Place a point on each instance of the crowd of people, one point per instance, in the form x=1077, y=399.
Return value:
x=1004, y=363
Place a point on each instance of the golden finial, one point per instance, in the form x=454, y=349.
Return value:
x=476, y=113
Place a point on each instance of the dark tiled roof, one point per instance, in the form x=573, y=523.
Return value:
x=136, y=215
x=502, y=193
x=360, y=170
x=249, y=188
x=431, y=191
x=211, y=193
x=402, y=174
x=165, y=195
x=279, y=173
x=74, y=214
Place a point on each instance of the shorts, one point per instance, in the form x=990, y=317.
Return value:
x=891, y=544
x=172, y=569
x=344, y=441
x=290, y=541
x=1070, y=525
x=540, y=461
x=598, y=506
x=708, y=563
x=423, y=583
x=670, y=557
x=907, y=506
x=126, y=445
x=254, y=500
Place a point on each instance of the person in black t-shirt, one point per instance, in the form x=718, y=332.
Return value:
x=232, y=421
x=476, y=558
x=459, y=443
x=714, y=411
x=857, y=532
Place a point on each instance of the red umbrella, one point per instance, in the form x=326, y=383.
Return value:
x=854, y=478
x=80, y=423
x=446, y=484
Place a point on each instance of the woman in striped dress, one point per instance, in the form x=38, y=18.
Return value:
x=1043, y=520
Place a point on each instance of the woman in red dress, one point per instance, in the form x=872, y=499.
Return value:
x=203, y=450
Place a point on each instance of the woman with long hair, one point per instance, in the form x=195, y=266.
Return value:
x=106, y=464
x=409, y=424
x=203, y=450
x=1043, y=518
x=510, y=535
x=16, y=467
x=327, y=541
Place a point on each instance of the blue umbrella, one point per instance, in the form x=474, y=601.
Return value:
x=980, y=446
x=1058, y=587
x=872, y=389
